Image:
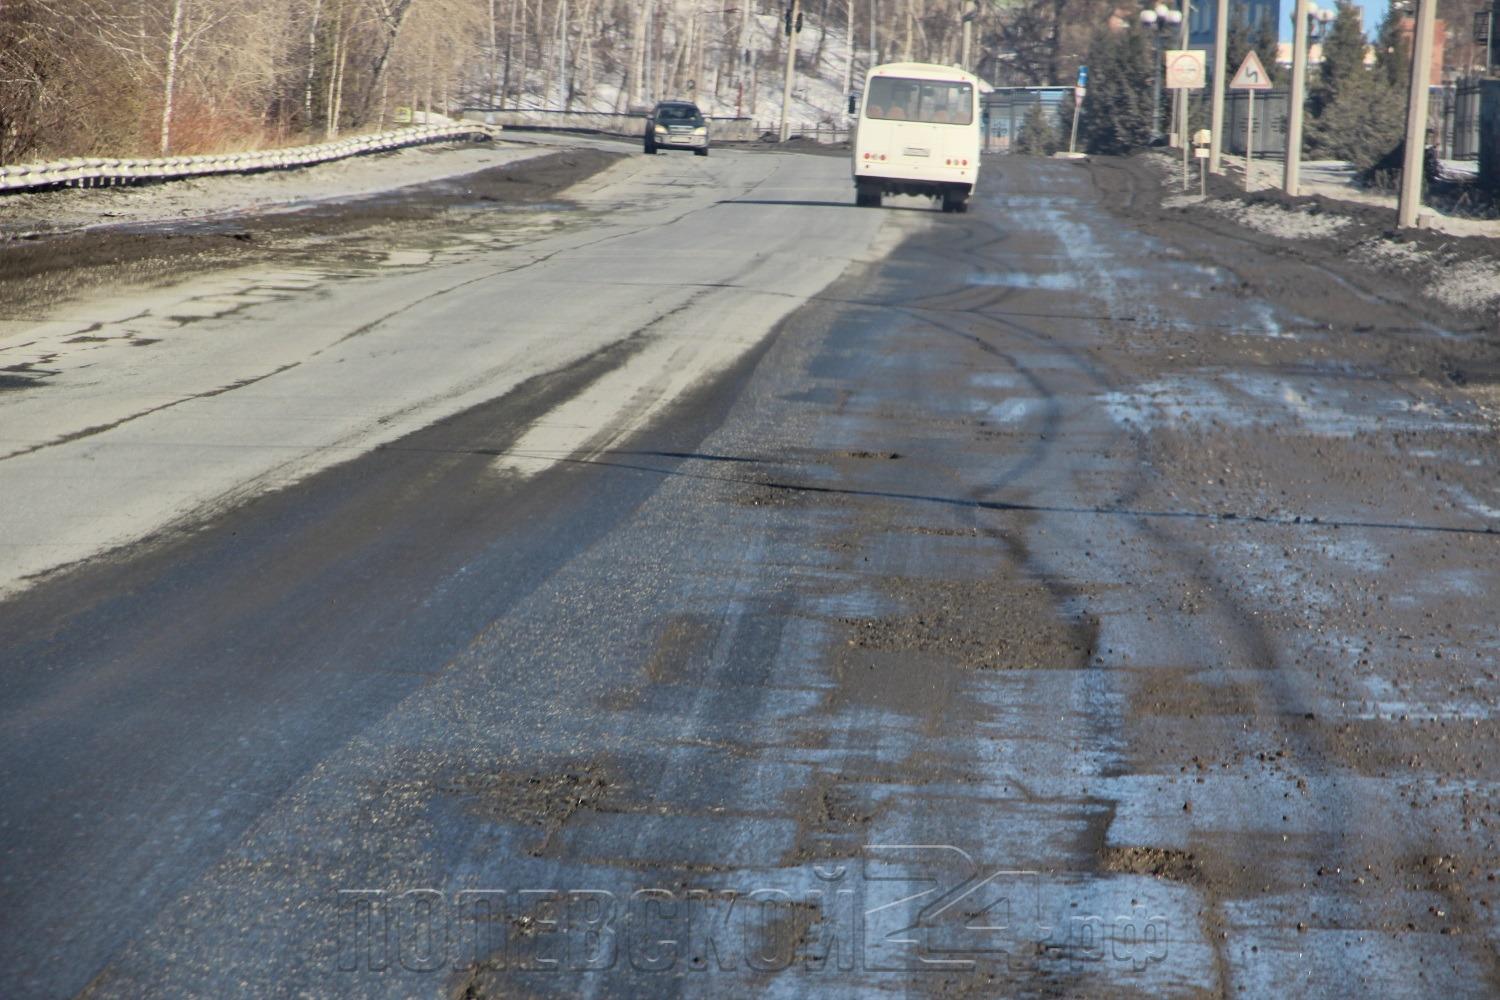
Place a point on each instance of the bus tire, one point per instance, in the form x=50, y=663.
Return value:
x=867, y=196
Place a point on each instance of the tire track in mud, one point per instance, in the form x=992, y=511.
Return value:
x=1256, y=647
x=1315, y=742
x=1277, y=697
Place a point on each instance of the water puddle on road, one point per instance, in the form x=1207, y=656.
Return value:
x=1055, y=281
x=1312, y=406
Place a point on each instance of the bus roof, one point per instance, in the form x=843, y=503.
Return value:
x=926, y=71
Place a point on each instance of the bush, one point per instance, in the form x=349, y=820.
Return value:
x=1037, y=137
x=1364, y=120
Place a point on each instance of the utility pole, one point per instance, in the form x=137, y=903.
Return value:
x=793, y=28
x=971, y=11
x=1221, y=82
x=1290, y=180
x=1416, y=116
x=1183, y=96
x=849, y=45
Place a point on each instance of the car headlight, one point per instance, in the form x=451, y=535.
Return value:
x=661, y=128
x=701, y=130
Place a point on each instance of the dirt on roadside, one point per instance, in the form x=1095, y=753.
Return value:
x=1458, y=273
x=44, y=269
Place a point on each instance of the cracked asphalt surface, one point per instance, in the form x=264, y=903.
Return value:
x=1073, y=597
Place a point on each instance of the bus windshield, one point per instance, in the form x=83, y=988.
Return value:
x=937, y=102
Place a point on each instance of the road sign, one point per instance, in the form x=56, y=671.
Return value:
x=1251, y=75
x=1186, y=69
x=1083, y=76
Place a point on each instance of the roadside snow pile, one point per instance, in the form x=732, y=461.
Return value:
x=1470, y=285
x=1285, y=223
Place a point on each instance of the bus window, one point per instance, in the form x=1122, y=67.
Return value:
x=933, y=101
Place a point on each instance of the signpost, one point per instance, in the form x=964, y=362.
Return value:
x=1250, y=76
x=1186, y=69
x=1078, y=93
x=1201, y=140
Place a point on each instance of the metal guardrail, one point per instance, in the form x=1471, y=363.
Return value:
x=104, y=172
x=631, y=125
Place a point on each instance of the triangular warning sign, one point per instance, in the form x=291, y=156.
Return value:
x=1252, y=74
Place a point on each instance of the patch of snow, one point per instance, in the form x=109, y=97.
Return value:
x=1278, y=221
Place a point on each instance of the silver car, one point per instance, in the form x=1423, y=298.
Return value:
x=676, y=125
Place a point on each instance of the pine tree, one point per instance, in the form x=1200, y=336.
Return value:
x=1392, y=50
x=1037, y=137
x=1363, y=124
x=1118, y=110
x=1243, y=39
x=1343, y=56
x=1356, y=112
x=1264, y=40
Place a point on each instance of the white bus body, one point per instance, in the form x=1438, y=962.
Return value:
x=918, y=133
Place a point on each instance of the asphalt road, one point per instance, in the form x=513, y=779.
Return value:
x=707, y=587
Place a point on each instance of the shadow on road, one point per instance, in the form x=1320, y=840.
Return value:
x=817, y=204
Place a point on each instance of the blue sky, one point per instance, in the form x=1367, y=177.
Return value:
x=1374, y=11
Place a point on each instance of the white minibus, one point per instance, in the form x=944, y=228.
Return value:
x=917, y=133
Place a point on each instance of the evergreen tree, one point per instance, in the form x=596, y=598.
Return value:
x=1243, y=38
x=1358, y=114
x=1343, y=56
x=1264, y=39
x=1037, y=137
x=1392, y=50
x=1363, y=123
x=1118, y=110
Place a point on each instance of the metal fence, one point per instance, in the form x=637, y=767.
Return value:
x=1270, y=122
x=1457, y=109
x=1007, y=108
x=108, y=172
x=1489, y=134
x=632, y=124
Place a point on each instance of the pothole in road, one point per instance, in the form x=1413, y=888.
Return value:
x=546, y=800
x=982, y=625
x=1158, y=862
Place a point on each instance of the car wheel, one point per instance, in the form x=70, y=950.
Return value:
x=701, y=152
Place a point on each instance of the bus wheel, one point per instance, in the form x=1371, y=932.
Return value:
x=955, y=203
x=867, y=196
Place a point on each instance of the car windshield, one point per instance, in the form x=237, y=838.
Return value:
x=678, y=114
x=937, y=102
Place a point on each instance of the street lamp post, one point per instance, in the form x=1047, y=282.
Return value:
x=1158, y=20
x=1308, y=17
